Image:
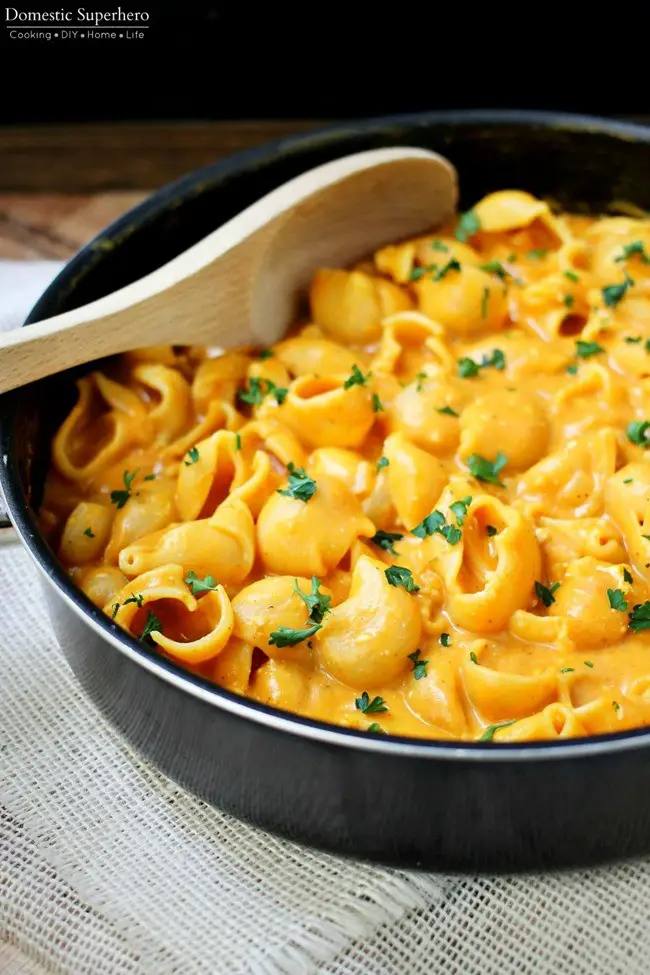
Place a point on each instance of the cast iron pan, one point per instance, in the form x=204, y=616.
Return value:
x=414, y=803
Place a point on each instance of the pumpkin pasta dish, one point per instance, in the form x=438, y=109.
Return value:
x=424, y=512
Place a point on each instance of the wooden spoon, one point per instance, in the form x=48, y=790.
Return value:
x=239, y=285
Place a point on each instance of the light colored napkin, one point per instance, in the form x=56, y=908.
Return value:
x=109, y=868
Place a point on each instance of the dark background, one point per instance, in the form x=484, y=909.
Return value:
x=219, y=61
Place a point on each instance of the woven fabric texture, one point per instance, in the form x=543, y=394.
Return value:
x=108, y=868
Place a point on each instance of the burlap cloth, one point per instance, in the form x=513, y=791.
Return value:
x=108, y=868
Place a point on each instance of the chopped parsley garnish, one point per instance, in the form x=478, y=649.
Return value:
x=120, y=497
x=89, y=532
x=377, y=405
x=617, y=599
x=632, y=339
x=286, y=636
x=375, y=729
x=301, y=486
x=496, y=267
x=356, y=378
x=385, y=540
x=451, y=265
x=116, y=607
x=151, y=625
x=318, y=603
x=637, y=432
x=572, y=369
x=487, y=470
x=616, y=705
x=135, y=597
x=198, y=585
x=567, y=670
x=419, y=668
x=396, y=575
x=588, y=663
x=639, y=618
x=467, y=368
x=491, y=530
x=367, y=706
x=537, y=255
x=586, y=349
x=497, y=360
x=628, y=480
x=149, y=477
x=438, y=245
x=627, y=577
x=417, y=273
x=459, y=508
x=446, y=411
x=468, y=225
x=421, y=376
x=259, y=388
x=488, y=734
x=571, y=275
x=435, y=523
x=484, y=302
x=545, y=593
x=193, y=455
x=568, y=301
x=445, y=640
x=265, y=354
x=237, y=441
x=629, y=250
x=613, y=293
x=473, y=657
x=382, y=462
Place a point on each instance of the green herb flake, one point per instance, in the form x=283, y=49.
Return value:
x=545, y=593
x=375, y=729
x=429, y=525
x=193, y=455
x=419, y=379
x=537, y=255
x=367, y=706
x=397, y=575
x=639, y=618
x=488, y=734
x=588, y=663
x=572, y=276
x=382, y=462
x=445, y=640
x=150, y=477
x=473, y=657
x=377, y=405
x=438, y=245
x=419, y=669
x=632, y=339
x=586, y=349
x=237, y=441
x=572, y=369
x=567, y=670
x=318, y=603
x=417, y=273
x=616, y=705
x=286, y=636
x=119, y=498
x=636, y=248
x=301, y=486
x=568, y=301
x=467, y=368
x=637, y=432
x=628, y=480
x=446, y=411
x=152, y=625
x=89, y=532
x=468, y=225
x=116, y=607
x=627, y=577
x=198, y=585
x=255, y=393
x=617, y=599
x=487, y=470
x=613, y=293
x=385, y=540
x=356, y=378
x=497, y=360
x=135, y=597
x=265, y=354
x=459, y=509
x=451, y=265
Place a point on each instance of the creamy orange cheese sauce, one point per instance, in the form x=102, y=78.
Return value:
x=426, y=512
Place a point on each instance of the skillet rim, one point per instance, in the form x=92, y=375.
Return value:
x=274, y=718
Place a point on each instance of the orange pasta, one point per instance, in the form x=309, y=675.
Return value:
x=425, y=512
